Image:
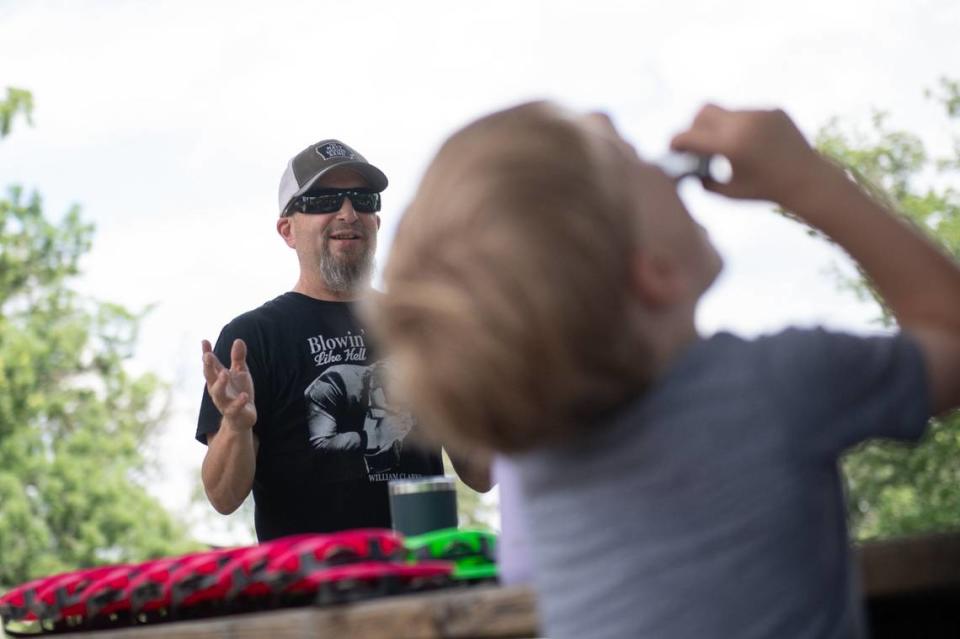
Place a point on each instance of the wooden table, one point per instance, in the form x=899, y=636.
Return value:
x=482, y=612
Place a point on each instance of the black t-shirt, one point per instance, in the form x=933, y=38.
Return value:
x=329, y=440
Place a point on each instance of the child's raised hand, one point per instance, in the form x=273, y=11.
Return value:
x=768, y=154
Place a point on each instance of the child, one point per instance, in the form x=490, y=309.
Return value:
x=541, y=297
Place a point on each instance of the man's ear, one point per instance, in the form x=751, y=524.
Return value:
x=378, y=222
x=285, y=229
x=656, y=279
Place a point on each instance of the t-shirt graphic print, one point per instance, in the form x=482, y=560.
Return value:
x=352, y=399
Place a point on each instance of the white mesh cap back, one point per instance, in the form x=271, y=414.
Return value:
x=288, y=186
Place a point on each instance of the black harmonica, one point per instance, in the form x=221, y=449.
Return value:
x=678, y=165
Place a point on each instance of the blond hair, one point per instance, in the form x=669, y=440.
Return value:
x=506, y=308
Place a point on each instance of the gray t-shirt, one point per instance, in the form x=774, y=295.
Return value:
x=713, y=506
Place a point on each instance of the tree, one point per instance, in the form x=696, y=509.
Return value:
x=17, y=102
x=892, y=489
x=473, y=508
x=73, y=421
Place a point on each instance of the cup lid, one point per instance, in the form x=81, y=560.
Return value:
x=422, y=485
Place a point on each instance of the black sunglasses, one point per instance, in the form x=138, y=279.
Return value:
x=331, y=201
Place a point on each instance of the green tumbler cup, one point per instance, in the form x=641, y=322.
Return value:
x=423, y=505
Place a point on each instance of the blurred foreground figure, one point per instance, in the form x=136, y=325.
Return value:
x=676, y=486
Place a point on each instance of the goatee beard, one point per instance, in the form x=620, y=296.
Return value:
x=344, y=275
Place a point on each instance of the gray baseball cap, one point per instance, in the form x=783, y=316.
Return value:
x=309, y=165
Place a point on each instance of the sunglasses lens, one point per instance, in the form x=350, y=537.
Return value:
x=365, y=202
x=328, y=203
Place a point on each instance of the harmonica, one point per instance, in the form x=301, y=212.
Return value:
x=678, y=165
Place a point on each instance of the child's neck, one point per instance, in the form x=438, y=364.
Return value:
x=671, y=334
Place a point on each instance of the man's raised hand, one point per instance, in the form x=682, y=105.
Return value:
x=230, y=389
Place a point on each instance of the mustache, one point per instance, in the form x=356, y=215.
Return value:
x=355, y=229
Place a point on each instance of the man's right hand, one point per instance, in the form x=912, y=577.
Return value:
x=231, y=389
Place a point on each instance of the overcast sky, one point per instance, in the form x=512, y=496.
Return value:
x=171, y=122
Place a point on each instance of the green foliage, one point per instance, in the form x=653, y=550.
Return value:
x=17, y=101
x=893, y=489
x=472, y=509
x=73, y=421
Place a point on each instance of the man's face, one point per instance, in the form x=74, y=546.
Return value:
x=666, y=227
x=340, y=245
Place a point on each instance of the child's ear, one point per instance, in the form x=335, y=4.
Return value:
x=656, y=280
x=285, y=229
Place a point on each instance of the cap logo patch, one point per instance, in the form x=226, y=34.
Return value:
x=333, y=151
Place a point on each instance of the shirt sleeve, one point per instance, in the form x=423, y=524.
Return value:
x=322, y=397
x=841, y=389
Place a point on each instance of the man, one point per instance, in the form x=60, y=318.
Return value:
x=294, y=417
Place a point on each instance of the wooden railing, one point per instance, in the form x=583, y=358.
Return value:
x=912, y=586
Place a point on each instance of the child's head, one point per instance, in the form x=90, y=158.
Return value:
x=531, y=274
